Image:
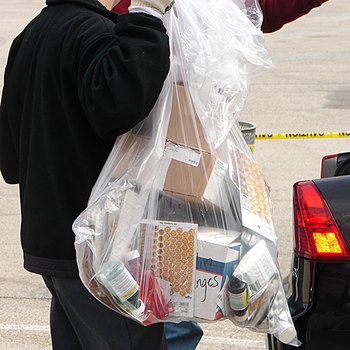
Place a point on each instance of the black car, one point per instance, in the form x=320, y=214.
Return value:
x=318, y=285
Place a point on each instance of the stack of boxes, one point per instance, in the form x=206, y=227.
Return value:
x=191, y=160
x=193, y=169
x=194, y=175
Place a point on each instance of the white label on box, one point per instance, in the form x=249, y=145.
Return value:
x=182, y=154
x=215, y=183
x=220, y=168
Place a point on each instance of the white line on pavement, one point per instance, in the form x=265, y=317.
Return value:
x=15, y=327
x=344, y=54
x=313, y=32
x=258, y=344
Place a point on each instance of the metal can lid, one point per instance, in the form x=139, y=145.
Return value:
x=236, y=286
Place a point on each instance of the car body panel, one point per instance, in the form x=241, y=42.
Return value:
x=318, y=292
x=319, y=300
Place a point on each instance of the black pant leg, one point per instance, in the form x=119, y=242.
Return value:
x=99, y=328
x=62, y=334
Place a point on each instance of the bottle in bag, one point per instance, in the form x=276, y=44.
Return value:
x=121, y=284
x=238, y=298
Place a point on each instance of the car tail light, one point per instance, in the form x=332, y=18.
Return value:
x=317, y=235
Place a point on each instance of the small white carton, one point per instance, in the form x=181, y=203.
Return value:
x=217, y=257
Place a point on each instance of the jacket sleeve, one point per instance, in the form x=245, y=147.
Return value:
x=121, y=75
x=279, y=12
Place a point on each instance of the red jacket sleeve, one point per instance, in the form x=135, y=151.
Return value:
x=279, y=12
x=122, y=6
x=276, y=12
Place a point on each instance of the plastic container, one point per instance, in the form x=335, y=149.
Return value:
x=120, y=283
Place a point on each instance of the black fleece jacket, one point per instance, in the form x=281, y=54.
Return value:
x=76, y=78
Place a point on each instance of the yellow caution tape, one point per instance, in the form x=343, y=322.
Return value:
x=307, y=135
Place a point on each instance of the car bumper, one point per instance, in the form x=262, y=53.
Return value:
x=319, y=301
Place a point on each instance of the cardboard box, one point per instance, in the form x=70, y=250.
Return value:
x=127, y=156
x=184, y=125
x=184, y=129
x=217, y=257
x=194, y=173
x=189, y=170
x=192, y=169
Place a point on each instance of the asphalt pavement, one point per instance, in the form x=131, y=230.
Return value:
x=308, y=90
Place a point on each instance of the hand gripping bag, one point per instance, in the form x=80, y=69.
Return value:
x=178, y=225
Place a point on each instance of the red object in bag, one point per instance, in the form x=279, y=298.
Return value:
x=151, y=295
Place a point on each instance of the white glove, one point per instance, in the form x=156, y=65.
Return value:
x=159, y=5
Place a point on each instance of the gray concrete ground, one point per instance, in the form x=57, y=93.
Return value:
x=307, y=91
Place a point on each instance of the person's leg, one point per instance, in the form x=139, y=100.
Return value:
x=62, y=333
x=183, y=335
x=98, y=327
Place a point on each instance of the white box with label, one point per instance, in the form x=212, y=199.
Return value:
x=217, y=257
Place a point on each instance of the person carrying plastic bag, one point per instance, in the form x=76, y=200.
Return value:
x=78, y=76
x=179, y=224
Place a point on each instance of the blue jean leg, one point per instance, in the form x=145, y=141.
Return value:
x=182, y=336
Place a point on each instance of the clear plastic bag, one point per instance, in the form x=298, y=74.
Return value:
x=179, y=225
